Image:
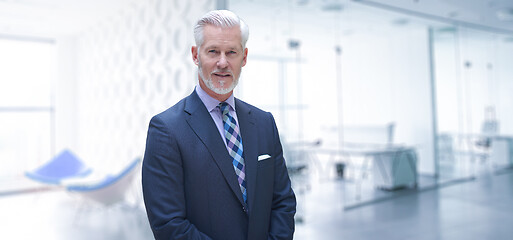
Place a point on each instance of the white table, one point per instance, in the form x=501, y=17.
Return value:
x=393, y=166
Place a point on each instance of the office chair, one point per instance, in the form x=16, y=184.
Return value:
x=111, y=188
x=63, y=166
x=107, y=192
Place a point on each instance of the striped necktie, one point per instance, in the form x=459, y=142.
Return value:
x=234, y=143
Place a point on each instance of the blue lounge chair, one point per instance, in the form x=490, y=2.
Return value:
x=64, y=166
x=111, y=189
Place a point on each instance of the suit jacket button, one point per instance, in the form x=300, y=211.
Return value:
x=244, y=209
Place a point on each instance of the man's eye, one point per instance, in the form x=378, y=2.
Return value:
x=212, y=51
x=232, y=52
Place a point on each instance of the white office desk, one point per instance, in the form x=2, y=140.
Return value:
x=499, y=151
x=393, y=166
x=501, y=154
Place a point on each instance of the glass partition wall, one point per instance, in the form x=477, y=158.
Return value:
x=349, y=84
x=473, y=85
x=345, y=83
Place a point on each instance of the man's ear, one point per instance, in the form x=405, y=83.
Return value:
x=194, y=51
x=245, y=58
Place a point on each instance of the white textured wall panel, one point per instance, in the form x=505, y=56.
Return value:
x=132, y=66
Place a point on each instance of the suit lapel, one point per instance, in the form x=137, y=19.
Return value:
x=249, y=141
x=201, y=122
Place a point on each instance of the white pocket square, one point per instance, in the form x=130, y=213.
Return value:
x=263, y=157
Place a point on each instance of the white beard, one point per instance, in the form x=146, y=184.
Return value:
x=210, y=84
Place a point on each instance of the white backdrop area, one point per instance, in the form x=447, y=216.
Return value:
x=129, y=67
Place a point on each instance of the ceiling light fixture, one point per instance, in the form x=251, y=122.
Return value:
x=332, y=6
x=400, y=21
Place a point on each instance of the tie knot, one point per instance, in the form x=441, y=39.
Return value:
x=225, y=108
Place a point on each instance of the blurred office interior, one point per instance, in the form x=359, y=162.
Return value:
x=380, y=104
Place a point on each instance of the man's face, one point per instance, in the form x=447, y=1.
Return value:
x=220, y=59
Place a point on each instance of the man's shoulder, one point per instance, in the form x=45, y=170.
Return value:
x=174, y=112
x=259, y=114
x=251, y=108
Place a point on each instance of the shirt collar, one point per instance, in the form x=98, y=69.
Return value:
x=210, y=102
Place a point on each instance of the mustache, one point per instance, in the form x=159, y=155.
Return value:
x=222, y=71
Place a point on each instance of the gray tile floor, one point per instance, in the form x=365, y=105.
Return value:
x=476, y=209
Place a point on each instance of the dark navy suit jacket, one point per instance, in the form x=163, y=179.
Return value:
x=190, y=187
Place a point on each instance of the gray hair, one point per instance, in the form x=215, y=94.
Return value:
x=224, y=19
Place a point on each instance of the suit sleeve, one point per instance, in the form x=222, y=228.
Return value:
x=284, y=200
x=163, y=185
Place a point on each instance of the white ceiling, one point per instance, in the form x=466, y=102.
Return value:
x=492, y=15
x=489, y=15
x=67, y=17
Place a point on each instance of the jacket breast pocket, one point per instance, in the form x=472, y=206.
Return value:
x=265, y=165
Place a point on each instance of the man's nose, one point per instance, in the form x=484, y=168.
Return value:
x=222, y=63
